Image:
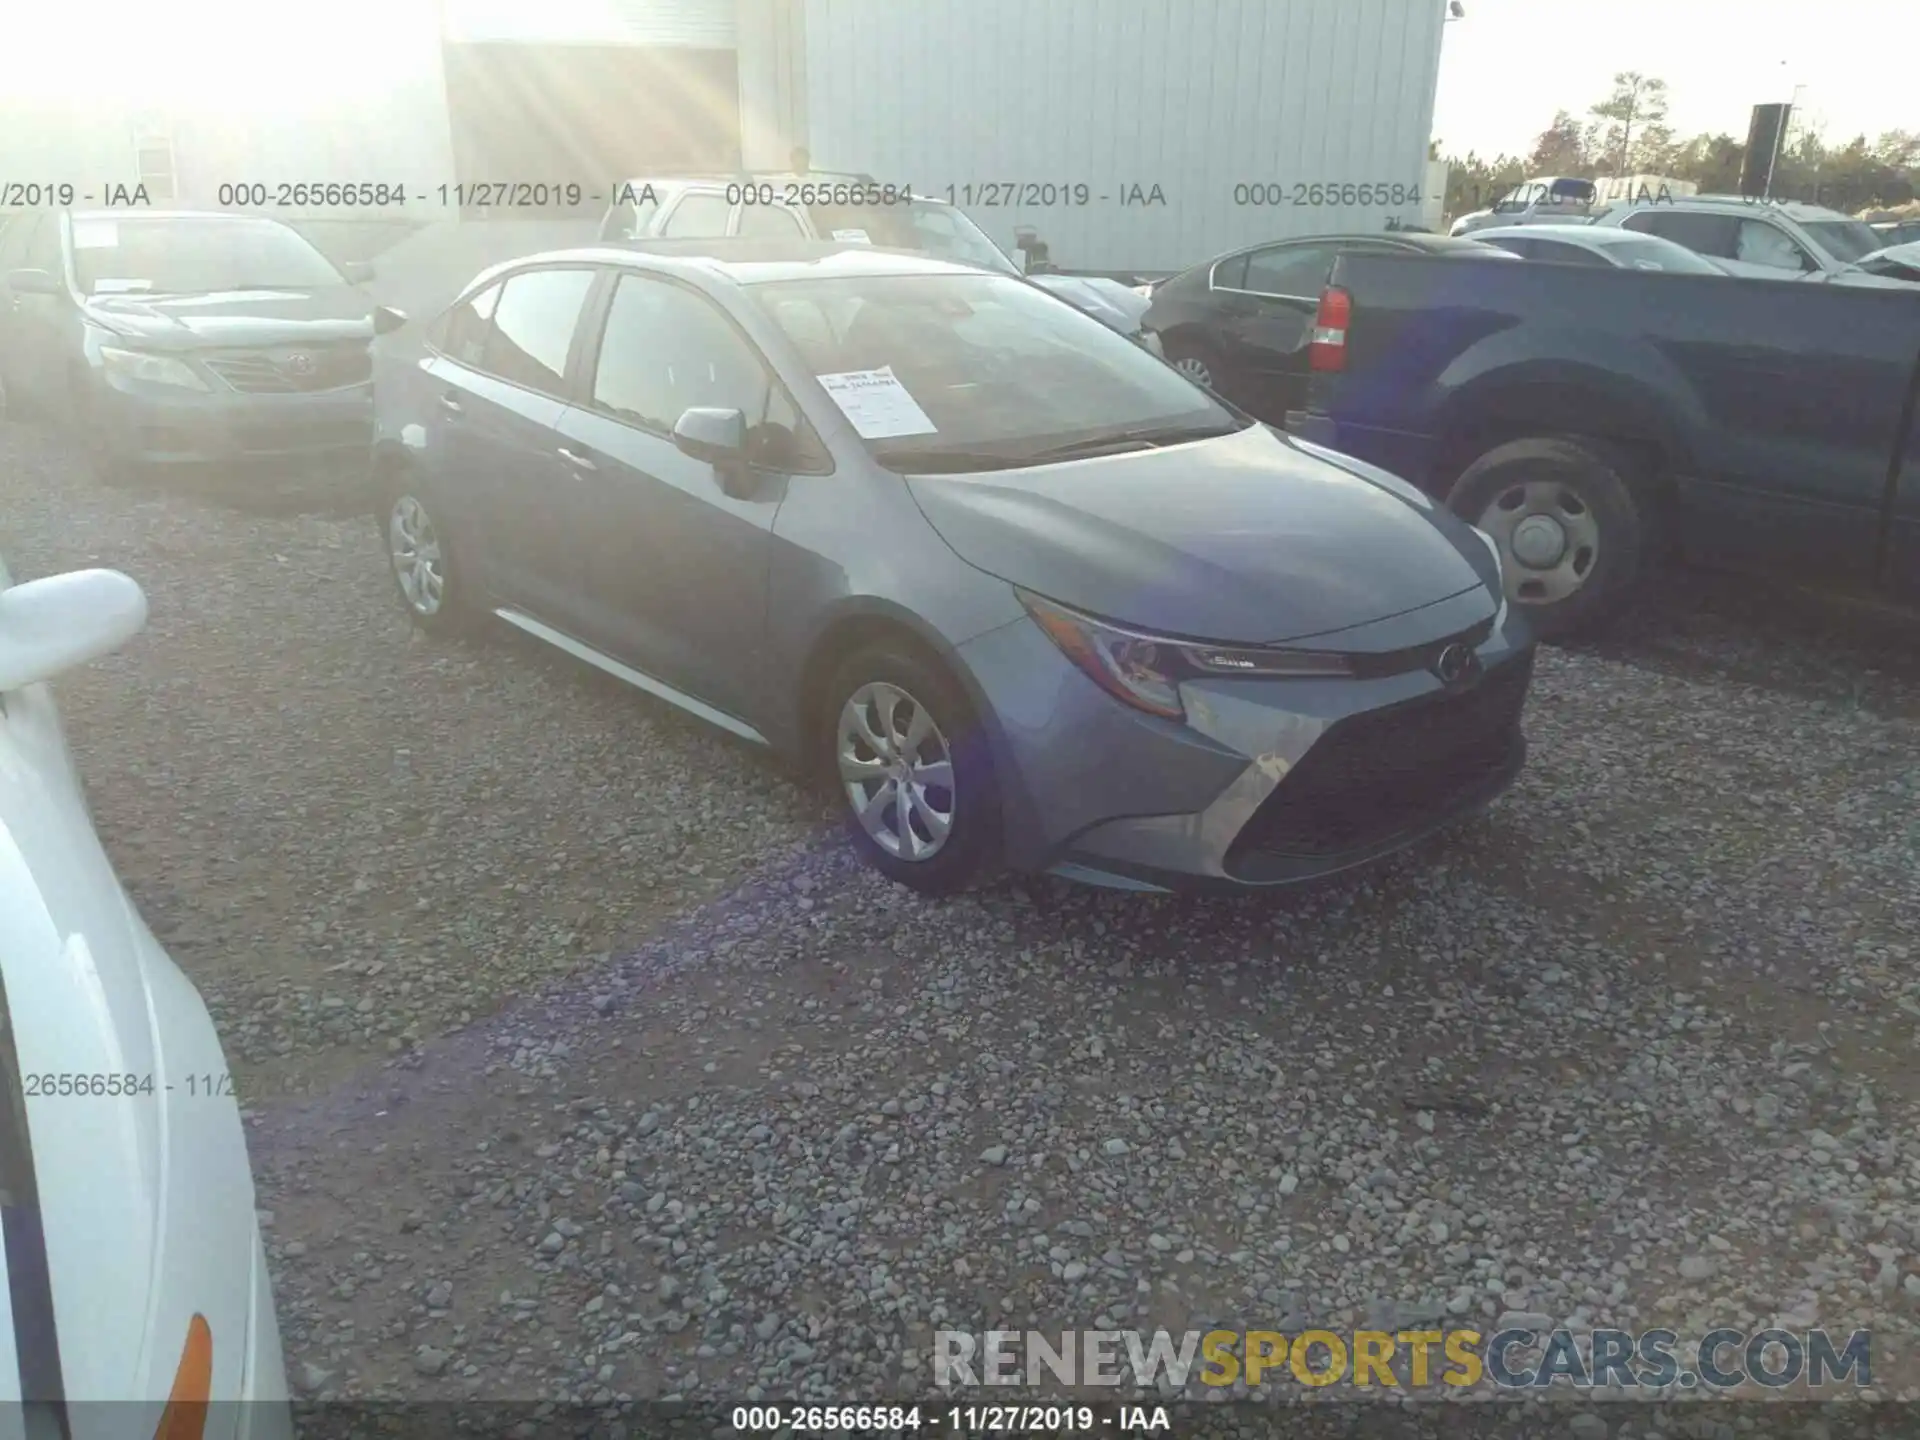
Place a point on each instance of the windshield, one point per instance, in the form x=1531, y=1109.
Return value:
x=1651, y=255
x=984, y=371
x=1845, y=240
x=938, y=230
x=192, y=255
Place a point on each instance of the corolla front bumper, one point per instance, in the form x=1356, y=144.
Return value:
x=1267, y=782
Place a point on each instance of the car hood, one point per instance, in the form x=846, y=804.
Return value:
x=236, y=318
x=1245, y=538
x=144, y=1200
x=1106, y=300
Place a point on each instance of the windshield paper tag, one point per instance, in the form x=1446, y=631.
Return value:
x=95, y=235
x=853, y=237
x=879, y=406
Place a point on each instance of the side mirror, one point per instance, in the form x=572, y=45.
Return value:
x=34, y=282
x=51, y=625
x=719, y=437
x=386, y=319
x=358, y=272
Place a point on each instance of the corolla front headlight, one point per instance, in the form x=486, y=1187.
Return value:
x=151, y=369
x=1493, y=545
x=1145, y=671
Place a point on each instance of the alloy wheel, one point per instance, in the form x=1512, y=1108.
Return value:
x=1548, y=536
x=1195, y=369
x=897, y=769
x=418, y=560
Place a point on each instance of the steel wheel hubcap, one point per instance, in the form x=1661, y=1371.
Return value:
x=1549, y=537
x=897, y=769
x=1194, y=369
x=416, y=554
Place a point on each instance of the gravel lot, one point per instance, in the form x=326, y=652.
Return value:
x=582, y=1066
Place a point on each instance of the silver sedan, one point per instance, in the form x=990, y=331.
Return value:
x=1019, y=591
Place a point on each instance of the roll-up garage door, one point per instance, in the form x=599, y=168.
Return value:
x=587, y=93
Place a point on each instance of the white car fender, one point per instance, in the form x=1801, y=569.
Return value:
x=146, y=1198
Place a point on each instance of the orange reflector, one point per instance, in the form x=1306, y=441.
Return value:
x=185, y=1417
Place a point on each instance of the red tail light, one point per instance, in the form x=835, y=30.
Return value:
x=1328, y=350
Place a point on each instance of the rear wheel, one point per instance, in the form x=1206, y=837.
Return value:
x=421, y=561
x=1196, y=361
x=910, y=762
x=1570, y=529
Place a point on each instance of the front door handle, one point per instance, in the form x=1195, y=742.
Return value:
x=577, y=460
x=451, y=405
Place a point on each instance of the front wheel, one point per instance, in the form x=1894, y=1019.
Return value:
x=1570, y=531
x=911, y=764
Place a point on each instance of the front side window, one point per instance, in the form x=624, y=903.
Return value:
x=999, y=370
x=533, y=326
x=667, y=350
x=467, y=325
x=195, y=255
x=1845, y=240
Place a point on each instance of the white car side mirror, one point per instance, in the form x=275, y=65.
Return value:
x=51, y=625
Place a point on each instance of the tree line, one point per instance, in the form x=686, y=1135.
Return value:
x=1627, y=134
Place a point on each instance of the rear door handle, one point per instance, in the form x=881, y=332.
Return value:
x=451, y=405
x=577, y=460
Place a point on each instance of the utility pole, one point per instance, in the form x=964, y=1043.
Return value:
x=1626, y=129
x=1779, y=139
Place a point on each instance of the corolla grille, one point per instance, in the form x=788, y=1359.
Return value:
x=293, y=369
x=1385, y=772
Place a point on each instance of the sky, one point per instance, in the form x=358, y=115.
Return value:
x=1509, y=64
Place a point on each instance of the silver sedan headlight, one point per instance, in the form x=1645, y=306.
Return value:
x=151, y=369
x=1145, y=670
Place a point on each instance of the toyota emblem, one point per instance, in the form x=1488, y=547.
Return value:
x=1454, y=664
x=300, y=364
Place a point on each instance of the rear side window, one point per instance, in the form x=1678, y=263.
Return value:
x=463, y=330
x=629, y=219
x=1297, y=270
x=701, y=216
x=533, y=328
x=1702, y=234
x=1231, y=274
x=770, y=220
x=43, y=246
x=1567, y=254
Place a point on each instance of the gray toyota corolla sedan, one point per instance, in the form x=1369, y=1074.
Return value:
x=1022, y=592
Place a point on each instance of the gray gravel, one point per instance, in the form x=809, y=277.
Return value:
x=582, y=1066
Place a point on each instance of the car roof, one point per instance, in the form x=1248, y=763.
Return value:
x=1412, y=239
x=744, y=262
x=1792, y=209
x=1575, y=233
x=736, y=177
x=142, y=212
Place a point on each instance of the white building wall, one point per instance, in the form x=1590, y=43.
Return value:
x=706, y=24
x=1196, y=96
